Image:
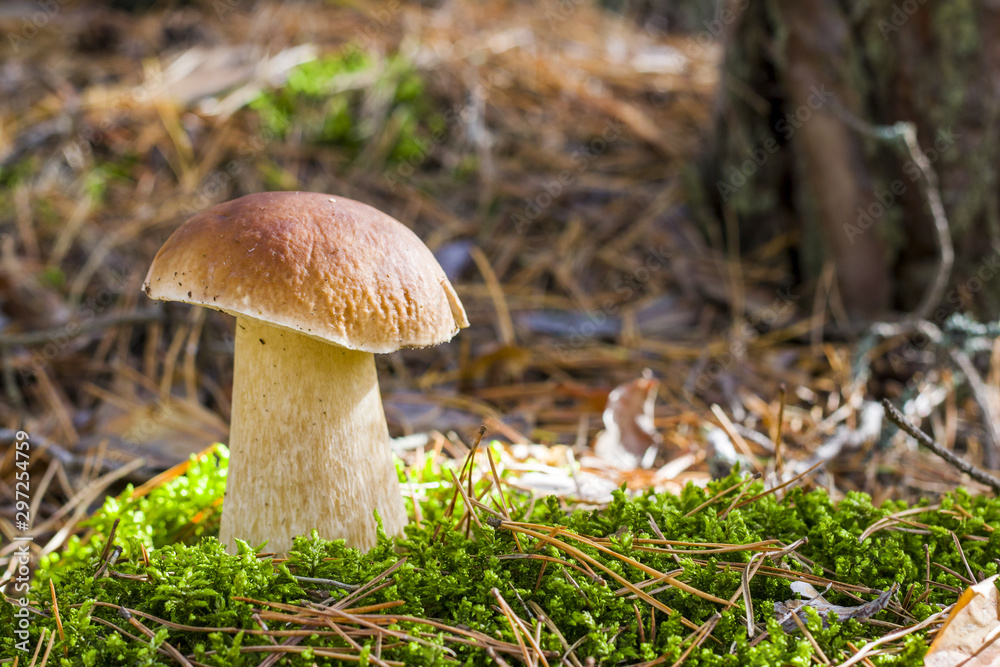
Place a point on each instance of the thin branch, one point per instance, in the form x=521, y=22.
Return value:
x=907, y=133
x=897, y=418
x=982, y=393
x=947, y=259
x=174, y=653
x=326, y=582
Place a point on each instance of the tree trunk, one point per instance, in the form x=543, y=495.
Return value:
x=807, y=87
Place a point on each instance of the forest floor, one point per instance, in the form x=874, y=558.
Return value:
x=542, y=154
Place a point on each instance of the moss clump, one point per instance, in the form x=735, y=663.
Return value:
x=202, y=601
x=350, y=99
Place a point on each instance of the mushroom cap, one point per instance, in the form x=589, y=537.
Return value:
x=320, y=265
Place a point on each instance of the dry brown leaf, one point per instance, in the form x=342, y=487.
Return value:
x=815, y=599
x=629, y=439
x=971, y=635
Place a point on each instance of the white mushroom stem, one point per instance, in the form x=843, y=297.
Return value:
x=309, y=447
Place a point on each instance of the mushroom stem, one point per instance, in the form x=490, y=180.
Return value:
x=309, y=447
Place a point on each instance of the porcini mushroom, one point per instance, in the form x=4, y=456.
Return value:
x=318, y=284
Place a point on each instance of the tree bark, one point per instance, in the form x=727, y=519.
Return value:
x=807, y=86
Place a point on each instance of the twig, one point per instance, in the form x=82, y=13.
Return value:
x=865, y=661
x=812, y=640
x=991, y=421
x=326, y=582
x=748, y=572
x=699, y=638
x=38, y=646
x=638, y=624
x=580, y=555
x=174, y=653
x=778, y=435
x=48, y=649
x=543, y=617
x=515, y=625
x=55, y=613
x=897, y=418
x=365, y=588
x=505, y=324
x=984, y=397
x=355, y=645
x=472, y=492
x=907, y=132
x=467, y=466
x=893, y=636
x=720, y=495
x=780, y=486
x=495, y=657
x=961, y=552
x=263, y=626
x=123, y=632
x=468, y=501
x=947, y=261
x=727, y=425
x=503, y=500
x=103, y=560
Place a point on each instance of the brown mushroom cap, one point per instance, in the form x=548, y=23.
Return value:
x=321, y=265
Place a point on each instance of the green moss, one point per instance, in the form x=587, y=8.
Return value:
x=18, y=172
x=389, y=111
x=190, y=582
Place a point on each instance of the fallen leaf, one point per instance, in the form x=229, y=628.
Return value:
x=813, y=598
x=971, y=635
x=629, y=439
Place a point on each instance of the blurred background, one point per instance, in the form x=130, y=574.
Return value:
x=670, y=222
